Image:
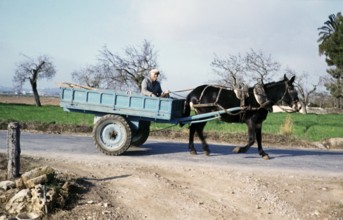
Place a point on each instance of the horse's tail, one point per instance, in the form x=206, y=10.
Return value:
x=192, y=99
x=187, y=107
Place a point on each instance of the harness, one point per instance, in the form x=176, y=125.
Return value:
x=261, y=97
x=210, y=104
x=215, y=103
x=242, y=94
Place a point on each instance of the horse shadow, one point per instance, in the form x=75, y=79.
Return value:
x=162, y=148
x=301, y=152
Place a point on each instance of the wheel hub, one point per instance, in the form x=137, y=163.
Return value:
x=113, y=135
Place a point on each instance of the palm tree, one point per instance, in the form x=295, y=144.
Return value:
x=331, y=45
x=331, y=39
x=331, y=26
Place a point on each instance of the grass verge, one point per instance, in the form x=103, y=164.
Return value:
x=310, y=127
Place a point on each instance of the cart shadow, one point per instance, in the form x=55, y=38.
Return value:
x=157, y=148
x=220, y=150
x=105, y=179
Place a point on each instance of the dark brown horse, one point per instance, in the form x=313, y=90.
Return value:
x=207, y=98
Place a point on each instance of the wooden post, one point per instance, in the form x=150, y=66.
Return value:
x=13, y=145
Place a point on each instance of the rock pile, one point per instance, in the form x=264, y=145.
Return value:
x=34, y=194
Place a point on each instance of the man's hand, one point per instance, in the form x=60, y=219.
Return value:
x=165, y=93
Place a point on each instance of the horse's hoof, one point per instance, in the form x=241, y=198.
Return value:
x=207, y=153
x=236, y=150
x=266, y=157
x=192, y=152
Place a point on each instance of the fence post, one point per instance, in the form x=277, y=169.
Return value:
x=13, y=145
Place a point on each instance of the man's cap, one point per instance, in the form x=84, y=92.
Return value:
x=154, y=71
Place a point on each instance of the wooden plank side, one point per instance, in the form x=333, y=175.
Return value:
x=111, y=102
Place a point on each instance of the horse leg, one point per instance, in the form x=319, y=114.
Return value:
x=251, y=139
x=200, y=132
x=191, y=147
x=262, y=153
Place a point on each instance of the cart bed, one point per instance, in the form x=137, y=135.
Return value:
x=107, y=101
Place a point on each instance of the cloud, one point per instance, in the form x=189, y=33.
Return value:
x=186, y=33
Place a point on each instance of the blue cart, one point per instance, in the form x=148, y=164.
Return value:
x=123, y=119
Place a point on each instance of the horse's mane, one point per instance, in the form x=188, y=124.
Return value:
x=266, y=85
x=273, y=83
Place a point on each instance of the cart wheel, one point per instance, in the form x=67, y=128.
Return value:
x=112, y=135
x=140, y=135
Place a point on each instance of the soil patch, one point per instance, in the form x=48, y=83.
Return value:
x=84, y=198
x=141, y=189
x=30, y=100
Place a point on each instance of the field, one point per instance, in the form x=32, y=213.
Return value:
x=292, y=126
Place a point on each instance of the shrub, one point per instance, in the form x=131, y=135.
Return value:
x=287, y=126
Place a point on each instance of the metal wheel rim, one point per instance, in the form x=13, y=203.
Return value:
x=113, y=136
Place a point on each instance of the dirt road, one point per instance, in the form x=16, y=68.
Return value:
x=148, y=184
x=167, y=190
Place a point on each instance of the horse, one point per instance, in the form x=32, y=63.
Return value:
x=207, y=98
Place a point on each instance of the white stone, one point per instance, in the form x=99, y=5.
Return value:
x=7, y=184
x=18, y=202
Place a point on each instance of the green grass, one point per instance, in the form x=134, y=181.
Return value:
x=317, y=127
x=46, y=114
x=308, y=127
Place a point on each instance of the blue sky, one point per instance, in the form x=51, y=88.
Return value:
x=185, y=33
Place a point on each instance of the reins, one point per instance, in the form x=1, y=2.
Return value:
x=178, y=91
x=184, y=90
x=174, y=93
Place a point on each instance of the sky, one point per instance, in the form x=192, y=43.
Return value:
x=186, y=34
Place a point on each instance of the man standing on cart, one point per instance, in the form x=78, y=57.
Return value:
x=152, y=87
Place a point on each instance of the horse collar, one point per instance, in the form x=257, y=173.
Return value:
x=262, y=98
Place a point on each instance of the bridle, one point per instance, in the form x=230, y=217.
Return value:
x=292, y=93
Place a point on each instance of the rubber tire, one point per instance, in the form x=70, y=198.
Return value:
x=140, y=135
x=112, y=135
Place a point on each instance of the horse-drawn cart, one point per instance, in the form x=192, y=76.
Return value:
x=123, y=119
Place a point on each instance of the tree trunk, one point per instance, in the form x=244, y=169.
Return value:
x=305, y=104
x=338, y=102
x=35, y=92
x=13, y=145
x=304, y=107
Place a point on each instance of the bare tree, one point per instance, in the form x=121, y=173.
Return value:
x=91, y=75
x=323, y=99
x=261, y=67
x=33, y=70
x=231, y=70
x=304, y=88
x=253, y=67
x=131, y=68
